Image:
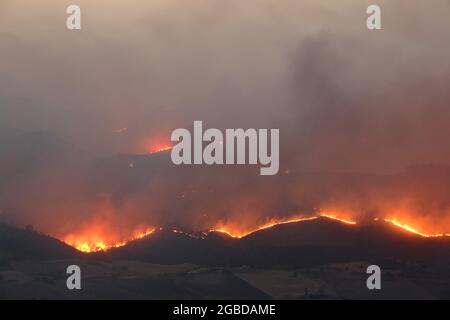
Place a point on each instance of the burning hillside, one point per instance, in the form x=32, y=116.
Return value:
x=275, y=222
x=94, y=240
x=346, y=131
x=106, y=203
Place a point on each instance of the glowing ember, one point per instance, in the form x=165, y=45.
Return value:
x=160, y=148
x=156, y=143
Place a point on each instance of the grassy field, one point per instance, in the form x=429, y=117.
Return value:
x=139, y=280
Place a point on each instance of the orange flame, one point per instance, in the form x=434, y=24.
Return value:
x=88, y=242
x=277, y=222
x=156, y=144
x=406, y=227
x=415, y=231
x=160, y=148
x=93, y=242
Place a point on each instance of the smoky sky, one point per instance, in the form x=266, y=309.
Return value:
x=344, y=98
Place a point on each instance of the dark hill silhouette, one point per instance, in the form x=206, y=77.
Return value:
x=299, y=244
x=304, y=243
x=167, y=246
x=23, y=244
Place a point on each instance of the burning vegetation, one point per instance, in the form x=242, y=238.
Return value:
x=156, y=144
x=161, y=148
x=103, y=204
x=93, y=242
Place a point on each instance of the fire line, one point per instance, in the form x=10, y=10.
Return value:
x=99, y=246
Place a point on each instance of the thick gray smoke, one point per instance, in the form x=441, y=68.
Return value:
x=344, y=98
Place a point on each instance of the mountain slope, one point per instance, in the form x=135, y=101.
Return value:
x=299, y=244
x=19, y=244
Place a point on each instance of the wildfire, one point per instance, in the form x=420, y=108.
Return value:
x=156, y=144
x=238, y=235
x=415, y=231
x=332, y=217
x=277, y=222
x=92, y=243
x=160, y=148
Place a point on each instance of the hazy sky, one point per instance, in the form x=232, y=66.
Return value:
x=343, y=97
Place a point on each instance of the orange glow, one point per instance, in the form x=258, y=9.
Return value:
x=240, y=234
x=156, y=144
x=414, y=230
x=160, y=148
x=346, y=221
x=93, y=240
x=276, y=222
x=90, y=241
